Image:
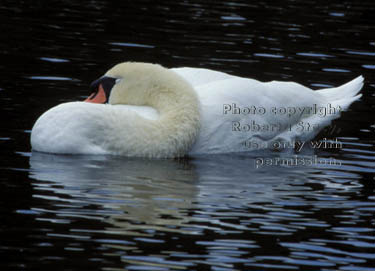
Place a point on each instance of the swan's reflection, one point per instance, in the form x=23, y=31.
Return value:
x=135, y=196
x=127, y=193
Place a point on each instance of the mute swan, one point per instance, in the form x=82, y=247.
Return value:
x=146, y=110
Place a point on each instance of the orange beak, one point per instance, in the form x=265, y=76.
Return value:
x=101, y=90
x=98, y=97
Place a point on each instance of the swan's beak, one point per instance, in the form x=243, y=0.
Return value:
x=98, y=97
x=101, y=89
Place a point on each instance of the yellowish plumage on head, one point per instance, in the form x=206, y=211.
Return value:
x=173, y=97
x=148, y=84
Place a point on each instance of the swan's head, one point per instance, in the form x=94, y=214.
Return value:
x=177, y=127
x=138, y=84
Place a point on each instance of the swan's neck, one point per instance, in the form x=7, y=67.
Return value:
x=172, y=134
x=179, y=122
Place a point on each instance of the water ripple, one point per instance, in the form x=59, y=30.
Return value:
x=205, y=213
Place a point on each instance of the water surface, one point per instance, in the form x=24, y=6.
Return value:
x=204, y=213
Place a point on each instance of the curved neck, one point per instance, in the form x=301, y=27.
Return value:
x=179, y=122
x=171, y=135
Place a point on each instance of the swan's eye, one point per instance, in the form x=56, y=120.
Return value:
x=118, y=81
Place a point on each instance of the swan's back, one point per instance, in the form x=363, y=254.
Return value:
x=230, y=132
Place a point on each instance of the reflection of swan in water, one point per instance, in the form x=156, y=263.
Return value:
x=129, y=190
x=136, y=195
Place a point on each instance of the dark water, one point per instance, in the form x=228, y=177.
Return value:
x=206, y=213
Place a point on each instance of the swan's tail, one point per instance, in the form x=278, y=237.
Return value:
x=344, y=95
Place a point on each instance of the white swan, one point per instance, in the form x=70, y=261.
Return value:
x=157, y=112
